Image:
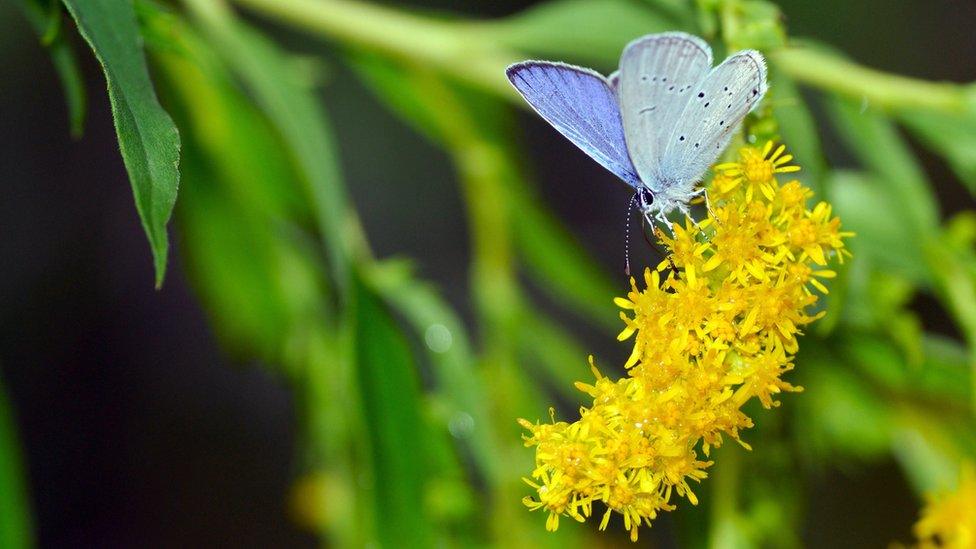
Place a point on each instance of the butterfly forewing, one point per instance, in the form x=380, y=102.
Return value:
x=716, y=110
x=659, y=74
x=582, y=106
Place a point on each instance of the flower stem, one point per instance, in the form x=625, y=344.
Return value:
x=449, y=46
x=482, y=167
x=890, y=91
x=470, y=52
x=724, y=531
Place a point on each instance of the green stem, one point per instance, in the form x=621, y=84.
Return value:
x=724, y=531
x=890, y=91
x=492, y=280
x=317, y=349
x=469, y=51
x=16, y=529
x=454, y=48
x=482, y=167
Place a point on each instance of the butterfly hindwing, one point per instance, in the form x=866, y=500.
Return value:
x=717, y=108
x=659, y=74
x=582, y=106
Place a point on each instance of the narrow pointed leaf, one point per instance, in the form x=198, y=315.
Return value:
x=390, y=394
x=148, y=139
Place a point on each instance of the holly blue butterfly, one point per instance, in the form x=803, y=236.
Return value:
x=659, y=121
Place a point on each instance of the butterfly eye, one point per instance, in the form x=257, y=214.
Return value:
x=646, y=198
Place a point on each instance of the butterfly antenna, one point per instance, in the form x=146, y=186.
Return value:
x=630, y=209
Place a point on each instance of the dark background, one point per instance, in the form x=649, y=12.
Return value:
x=137, y=430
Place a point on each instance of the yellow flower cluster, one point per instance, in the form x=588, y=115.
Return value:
x=949, y=519
x=711, y=335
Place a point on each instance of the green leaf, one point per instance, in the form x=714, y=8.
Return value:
x=451, y=500
x=149, y=141
x=877, y=358
x=238, y=187
x=261, y=278
x=15, y=520
x=869, y=208
x=553, y=257
x=955, y=284
x=236, y=263
x=582, y=31
x=950, y=136
x=398, y=87
x=798, y=130
x=863, y=400
x=681, y=12
x=446, y=339
x=946, y=369
x=559, y=264
x=45, y=17
x=297, y=115
x=875, y=141
x=752, y=24
x=839, y=413
x=930, y=449
x=556, y=355
x=391, y=397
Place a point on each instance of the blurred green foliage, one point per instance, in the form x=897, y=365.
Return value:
x=15, y=520
x=281, y=263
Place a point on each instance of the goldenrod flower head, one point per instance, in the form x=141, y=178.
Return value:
x=949, y=519
x=708, y=337
x=756, y=169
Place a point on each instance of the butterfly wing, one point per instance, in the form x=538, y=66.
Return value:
x=580, y=104
x=717, y=108
x=659, y=74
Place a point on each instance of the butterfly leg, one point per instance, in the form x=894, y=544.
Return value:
x=708, y=204
x=662, y=218
x=651, y=219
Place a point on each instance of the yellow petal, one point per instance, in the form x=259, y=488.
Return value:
x=816, y=284
x=623, y=303
x=626, y=333
x=712, y=262
x=634, y=357
x=779, y=151
x=816, y=253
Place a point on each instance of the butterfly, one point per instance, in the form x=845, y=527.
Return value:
x=659, y=121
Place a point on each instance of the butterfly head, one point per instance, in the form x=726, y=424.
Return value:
x=656, y=206
x=645, y=199
x=651, y=207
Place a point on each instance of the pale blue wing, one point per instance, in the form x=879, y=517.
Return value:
x=580, y=104
x=659, y=74
x=713, y=115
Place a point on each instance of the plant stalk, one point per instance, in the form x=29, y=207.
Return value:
x=462, y=49
x=888, y=91
x=470, y=52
